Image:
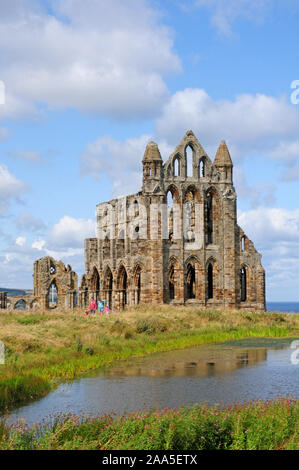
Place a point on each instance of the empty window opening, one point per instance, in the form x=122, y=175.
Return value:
x=243, y=244
x=210, y=281
x=20, y=305
x=209, y=218
x=138, y=284
x=243, y=285
x=190, y=281
x=53, y=295
x=52, y=268
x=95, y=285
x=171, y=283
x=176, y=167
x=201, y=169
x=189, y=158
x=136, y=208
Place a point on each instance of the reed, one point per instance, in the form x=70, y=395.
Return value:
x=258, y=425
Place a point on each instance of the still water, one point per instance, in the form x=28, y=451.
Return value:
x=229, y=372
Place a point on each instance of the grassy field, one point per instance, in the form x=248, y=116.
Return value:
x=253, y=426
x=43, y=349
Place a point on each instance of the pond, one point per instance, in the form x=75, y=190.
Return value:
x=229, y=372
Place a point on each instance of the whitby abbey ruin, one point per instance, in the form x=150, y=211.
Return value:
x=175, y=241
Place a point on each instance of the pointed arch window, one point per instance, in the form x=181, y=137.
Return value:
x=243, y=244
x=176, y=167
x=95, y=284
x=138, y=285
x=201, y=168
x=190, y=282
x=108, y=287
x=189, y=215
x=210, y=281
x=53, y=295
x=189, y=161
x=171, y=283
x=209, y=206
x=169, y=198
x=243, y=281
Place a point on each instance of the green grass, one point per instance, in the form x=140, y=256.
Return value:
x=259, y=425
x=45, y=349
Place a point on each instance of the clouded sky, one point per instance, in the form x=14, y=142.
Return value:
x=88, y=84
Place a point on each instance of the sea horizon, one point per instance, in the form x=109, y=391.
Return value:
x=283, y=306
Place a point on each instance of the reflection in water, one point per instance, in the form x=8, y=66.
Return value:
x=223, y=373
x=197, y=362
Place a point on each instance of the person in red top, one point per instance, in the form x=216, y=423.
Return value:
x=92, y=306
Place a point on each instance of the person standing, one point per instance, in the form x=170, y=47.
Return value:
x=92, y=306
x=100, y=306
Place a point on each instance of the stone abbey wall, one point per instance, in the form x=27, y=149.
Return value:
x=177, y=240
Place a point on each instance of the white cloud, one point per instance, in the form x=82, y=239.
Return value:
x=69, y=233
x=104, y=57
x=21, y=241
x=249, y=123
x=64, y=242
x=38, y=244
x=225, y=12
x=10, y=188
x=119, y=160
x=275, y=233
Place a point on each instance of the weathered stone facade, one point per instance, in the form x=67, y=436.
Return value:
x=52, y=277
x=177, y=240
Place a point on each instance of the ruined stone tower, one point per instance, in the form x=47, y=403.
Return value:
x=177, y=240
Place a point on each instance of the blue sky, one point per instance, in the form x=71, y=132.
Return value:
x=88, y=84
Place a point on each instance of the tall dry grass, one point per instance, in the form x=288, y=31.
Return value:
x=45, y=347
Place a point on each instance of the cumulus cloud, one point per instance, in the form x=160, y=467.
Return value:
x=104, y=57
x=120, y=160
x=275, y=232
x=251, y=124
x=70, y=233
x=11, y=189
x=65, y=241
x=225, y=12
x=248, y=123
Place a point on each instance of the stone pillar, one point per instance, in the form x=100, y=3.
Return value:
x=229, y=251
x=3, y=300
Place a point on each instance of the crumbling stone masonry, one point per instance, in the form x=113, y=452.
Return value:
x=54, y=284
x=176, y=241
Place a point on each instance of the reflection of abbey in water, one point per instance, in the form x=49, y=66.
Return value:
x=189, y=251
x=198, y=362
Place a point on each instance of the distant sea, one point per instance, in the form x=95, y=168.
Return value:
x=283, y=306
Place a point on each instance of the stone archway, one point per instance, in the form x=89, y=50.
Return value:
x=20, y=305
x=137, y=284
x=108, y=287
x=95, y=285
x=122, y=287
x=52, y=297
